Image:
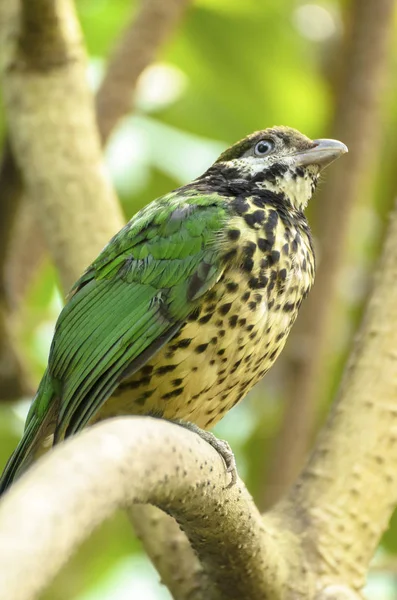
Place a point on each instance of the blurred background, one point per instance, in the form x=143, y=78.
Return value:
x=228, y=67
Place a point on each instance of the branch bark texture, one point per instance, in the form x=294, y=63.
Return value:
x=358, y=123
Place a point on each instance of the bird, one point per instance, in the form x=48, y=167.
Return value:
x=190, y=303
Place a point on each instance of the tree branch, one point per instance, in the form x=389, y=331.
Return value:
x=153, y=25
x=137, y=460
x=358, y=123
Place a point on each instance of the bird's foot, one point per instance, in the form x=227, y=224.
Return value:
x=221, y=446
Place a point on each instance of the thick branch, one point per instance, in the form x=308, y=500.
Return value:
x=138, y=460
x=348, y=490
x=358, y=124
x=57, y=146
x=155, y=22
x=13, y=378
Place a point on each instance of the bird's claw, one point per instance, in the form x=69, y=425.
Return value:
x=221, y=446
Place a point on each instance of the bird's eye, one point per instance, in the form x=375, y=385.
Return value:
x=264, y=147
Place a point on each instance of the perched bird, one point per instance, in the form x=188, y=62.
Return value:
x=190, y=304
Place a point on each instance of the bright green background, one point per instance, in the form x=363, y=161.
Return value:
x=233, y=67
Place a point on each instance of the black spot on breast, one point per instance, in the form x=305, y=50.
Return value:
x=242, y=322
x=264, y=245
x=233, y=234
x=205, y=318
x=195, y=314
x=221, y=352
x=247, y=265
x=224, y=309
x=201, y=348
x=280, y=336
x=245, y=296
x=233, y=321
x=173, y=394
x=143, y=397
x=288, y=306
x=285, y=249
x=252, y=306
x=165, y=369
x=177, y=382
x=249, y=249
x=130, y=385
x=232, y=286
x=236, y=366
x=282, y=274
x=275, y=256
x=221, y=333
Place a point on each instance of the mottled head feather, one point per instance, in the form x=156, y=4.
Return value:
x=287, y=138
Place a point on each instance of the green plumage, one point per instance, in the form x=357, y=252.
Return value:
x=153, y=305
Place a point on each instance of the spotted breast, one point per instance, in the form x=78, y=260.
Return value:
x=232, y=339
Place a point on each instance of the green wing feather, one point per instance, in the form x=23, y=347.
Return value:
x=127, y=305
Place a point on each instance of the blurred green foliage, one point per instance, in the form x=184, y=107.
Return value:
x=233, y=67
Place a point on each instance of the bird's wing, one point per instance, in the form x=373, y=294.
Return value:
x=131, y=301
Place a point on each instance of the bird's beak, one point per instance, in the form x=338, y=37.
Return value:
x=322, y=154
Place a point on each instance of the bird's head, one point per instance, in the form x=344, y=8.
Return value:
x=280, y=159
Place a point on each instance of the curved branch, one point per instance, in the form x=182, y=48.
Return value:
x=149, y=30
x=137, y=460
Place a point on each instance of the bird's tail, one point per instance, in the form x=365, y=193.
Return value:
x=39, y=424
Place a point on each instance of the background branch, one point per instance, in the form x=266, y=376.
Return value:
x=148, y=31
x=14, y=381
x=358, y=123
